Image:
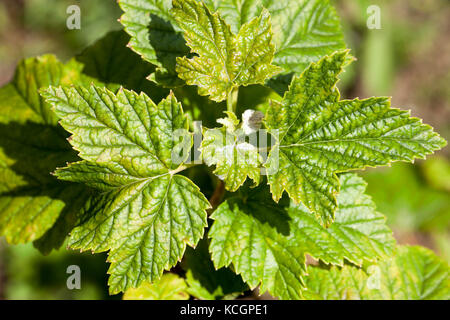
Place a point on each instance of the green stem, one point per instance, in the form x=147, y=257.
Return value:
x=232, y=99
x=217, y=195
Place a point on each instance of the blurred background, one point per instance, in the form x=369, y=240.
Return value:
x=408, y=59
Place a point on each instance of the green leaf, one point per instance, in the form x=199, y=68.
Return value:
x=146, y=213
x=169, y=287
x=318, y=135
x=234, y=158
x=415, y=273
x=304, y=30
x=204, y=281
x=32, y=146
x=155, y=36
x=225, y=61
x=267, y=242
x=111, y=63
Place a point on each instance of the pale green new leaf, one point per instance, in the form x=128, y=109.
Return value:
x=267, y=242
x=32, y=146
x=169, y=287
x=225, y=60
x=319, y=135
x=146, y=213
x=303, y=30
x=415, y=273
x=234, y=158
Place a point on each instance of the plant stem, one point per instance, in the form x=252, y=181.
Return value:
x=232, y=99
x=217, y=196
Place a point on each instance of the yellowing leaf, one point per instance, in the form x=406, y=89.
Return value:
x=234, y=158
x=169, y=287
x=225, y=61
x=32, y=146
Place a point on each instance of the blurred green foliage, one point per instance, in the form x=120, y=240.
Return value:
x=34, y=27
x=383, y=52
x=404, y=195
x=408, y=59
x=30, y=275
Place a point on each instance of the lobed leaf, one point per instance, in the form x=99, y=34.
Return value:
x=31, y=146
x=34, y=204
x=146, y=213
x=225, y=61
x=304, y=31
x=319, y=135
x=267, y=242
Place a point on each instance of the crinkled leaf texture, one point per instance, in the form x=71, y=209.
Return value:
x=155, y=36
x=169, y=287
x=319, y=135
x=267, y=242
x=415, y=273
x=146, y=213
x=304, y=31
x=234, y=158
x=225, y=60
x=32, y=146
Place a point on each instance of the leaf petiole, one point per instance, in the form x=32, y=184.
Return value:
x=232, y=99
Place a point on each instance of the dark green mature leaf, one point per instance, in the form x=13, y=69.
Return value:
x=318, y=135
x=234, y=158
x=32, y=146
x=204, y=281
x=146, y=213
x=169, y=287
x=267, y=243
x=155, y=36
x=109, y=62
x=415, y=273
x=225, y=61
